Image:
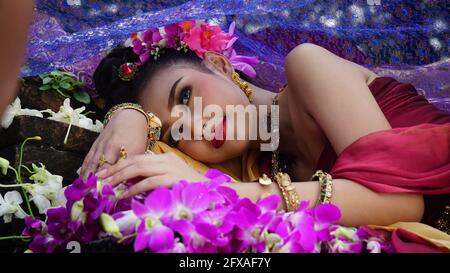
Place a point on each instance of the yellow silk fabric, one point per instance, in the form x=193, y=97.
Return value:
x=240, y=169
x=428, y=233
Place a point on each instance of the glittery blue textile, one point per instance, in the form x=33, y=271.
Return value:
x=405, y=39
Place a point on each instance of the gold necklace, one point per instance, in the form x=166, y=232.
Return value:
x=275, y=168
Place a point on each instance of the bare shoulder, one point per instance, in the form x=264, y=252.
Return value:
x=334, y=92
x=311, y=52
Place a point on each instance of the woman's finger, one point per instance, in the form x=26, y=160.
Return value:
x=88, y=157
x=110, y=155
x=93, y=162
x=145, y=185
x=141, y=168
x=133, y=159
x=117, y=166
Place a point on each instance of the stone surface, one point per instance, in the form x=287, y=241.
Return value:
x=33, y=98
x=59, y=158
x=64, y=163
x=52, y=133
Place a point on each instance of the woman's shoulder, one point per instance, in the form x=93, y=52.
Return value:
x=313, y=51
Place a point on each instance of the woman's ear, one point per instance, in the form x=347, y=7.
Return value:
x=218, y=62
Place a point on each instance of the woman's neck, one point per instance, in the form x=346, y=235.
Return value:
x=264, y=97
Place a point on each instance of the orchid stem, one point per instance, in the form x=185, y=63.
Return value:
x=26, y=168
x=14, y=185
x=68, y=131
x=14, y=237
x=127, y=237
x=19, y=175
x=88, y=113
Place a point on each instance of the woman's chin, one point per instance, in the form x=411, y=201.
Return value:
x=228, y=150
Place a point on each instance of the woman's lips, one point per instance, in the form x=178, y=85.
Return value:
x=220, y=134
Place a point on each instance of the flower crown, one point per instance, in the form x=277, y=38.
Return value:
x=198, y=36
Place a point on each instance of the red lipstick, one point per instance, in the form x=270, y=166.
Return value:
x=220, y=133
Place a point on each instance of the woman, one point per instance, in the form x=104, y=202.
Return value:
x=329, y=107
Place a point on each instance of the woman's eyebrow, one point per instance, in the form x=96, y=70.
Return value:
x=172, y=94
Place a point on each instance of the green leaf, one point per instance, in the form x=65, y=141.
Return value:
x=45, y=87
x=62, y=93
x=65, y=85
x=46, y=80
x=82, y=97
x=55, y=73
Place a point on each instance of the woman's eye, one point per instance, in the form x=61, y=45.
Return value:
x=185, y=95
x=174, y=140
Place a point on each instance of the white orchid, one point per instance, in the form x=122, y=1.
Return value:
x=10, y=205
x=66, y=113
x=15, y=109
x=4, y=165
x=127, y=222
x=46, y=190
x=87, y=123
x=75, y=117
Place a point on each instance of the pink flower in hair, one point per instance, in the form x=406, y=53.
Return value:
x=198, y=36
x=172, y=35
x=151, y=37
x=205, y=38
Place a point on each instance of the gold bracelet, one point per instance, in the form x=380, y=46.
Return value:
x=153, y=122
x=288, y=191
x=325, y=187
x=126, y=105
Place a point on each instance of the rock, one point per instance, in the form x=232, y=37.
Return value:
x=14, y=228
x=33, y=98
x=52, y=133
x=59, y=158
x=64, y=163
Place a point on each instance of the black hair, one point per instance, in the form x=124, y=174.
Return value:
x=114, y=90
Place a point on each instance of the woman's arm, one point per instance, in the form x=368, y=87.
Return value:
x=358, y=204
x=15, y=19
x=335, y=93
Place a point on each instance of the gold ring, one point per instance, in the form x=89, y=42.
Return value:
x=102, y=161
x=122, y=153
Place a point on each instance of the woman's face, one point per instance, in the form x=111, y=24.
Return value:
x=179, y=85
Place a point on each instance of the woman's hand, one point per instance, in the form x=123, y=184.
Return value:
x=127, y=128
x=155, y=169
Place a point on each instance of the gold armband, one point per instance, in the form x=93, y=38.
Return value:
x=153, y=122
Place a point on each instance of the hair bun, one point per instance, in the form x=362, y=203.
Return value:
x=106, y=77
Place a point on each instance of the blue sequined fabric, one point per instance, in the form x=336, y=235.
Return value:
x=408, y=40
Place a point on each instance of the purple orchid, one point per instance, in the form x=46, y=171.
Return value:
x=152, y=233
x=196, y=217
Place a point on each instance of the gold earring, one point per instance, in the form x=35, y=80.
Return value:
x=243, y=86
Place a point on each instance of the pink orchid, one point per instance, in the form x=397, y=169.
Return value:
x=197, y=36
x=243, y=63
x=151, y=37
x=152, y=233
